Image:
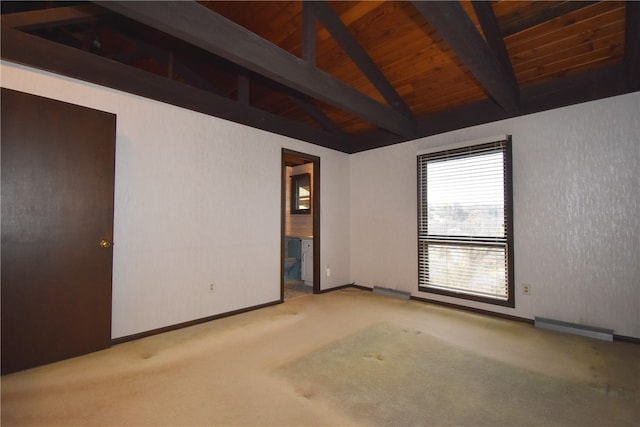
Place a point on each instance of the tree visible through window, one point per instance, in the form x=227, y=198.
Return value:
x=465, y=222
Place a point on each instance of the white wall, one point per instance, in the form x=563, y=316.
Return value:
x=197, y=200
x=576, y=173
x=187, y=187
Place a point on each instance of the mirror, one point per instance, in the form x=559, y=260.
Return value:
x=301, y=194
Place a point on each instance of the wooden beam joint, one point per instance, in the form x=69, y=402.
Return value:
x=358, y=55
x=201, y=27
x=456, y=28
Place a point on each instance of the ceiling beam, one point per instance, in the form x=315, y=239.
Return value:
x=46, y=18
x=456, y=28
x=201, y=27
x=37, y=52
x=308, y=34
x=632, y=44
x=493, y=36
x=358, y=55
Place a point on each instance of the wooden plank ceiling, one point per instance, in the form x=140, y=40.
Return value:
x=349, y=75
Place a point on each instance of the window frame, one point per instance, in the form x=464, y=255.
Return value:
x=508, y=206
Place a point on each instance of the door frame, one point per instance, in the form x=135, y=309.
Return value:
x=315, y=211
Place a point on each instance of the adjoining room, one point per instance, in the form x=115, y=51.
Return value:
x=301, y=218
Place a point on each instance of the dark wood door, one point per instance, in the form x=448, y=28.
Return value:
x=58, y=163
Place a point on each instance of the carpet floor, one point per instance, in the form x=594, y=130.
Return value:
x=345, y=358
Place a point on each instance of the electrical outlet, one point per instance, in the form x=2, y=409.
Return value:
x=211, y=286
x=328, y=271
x=526, y=289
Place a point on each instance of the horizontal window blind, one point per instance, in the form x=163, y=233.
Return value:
x=474, y=270
x=463, y=221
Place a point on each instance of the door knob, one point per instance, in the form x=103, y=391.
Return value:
x=105, y=244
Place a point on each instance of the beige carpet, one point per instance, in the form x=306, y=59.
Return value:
x=393, y=376
x=344, y=358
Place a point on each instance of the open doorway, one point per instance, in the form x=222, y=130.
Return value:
x=300, y=225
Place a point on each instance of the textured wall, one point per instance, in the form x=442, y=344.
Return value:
x=187, y=186
x=576, y=213
x=197, y=201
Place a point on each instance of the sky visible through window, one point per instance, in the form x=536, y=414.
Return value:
x=477, y=180
x=466, y=196
x=463, y=223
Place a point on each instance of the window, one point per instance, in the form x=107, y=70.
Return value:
x=465, y=231
x=301, y=194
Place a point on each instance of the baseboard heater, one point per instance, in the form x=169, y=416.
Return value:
x=391, y=292
x=572, y=328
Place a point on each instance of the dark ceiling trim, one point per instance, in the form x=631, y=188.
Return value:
x=632, y=43
x=38, y=19
x=316, y=114
x=358, y=55
x=200, y=26
x=308, y=34
x=33, y=51
x=244, y=90
x=456, y=28
x=489, y=23
x=588, y=86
